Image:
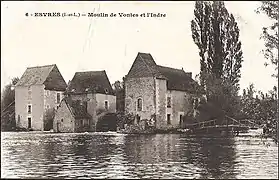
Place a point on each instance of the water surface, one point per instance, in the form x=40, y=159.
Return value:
x=113, y=155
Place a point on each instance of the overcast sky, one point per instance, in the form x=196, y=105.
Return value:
x=111, y=44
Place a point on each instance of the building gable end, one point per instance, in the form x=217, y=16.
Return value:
x=139, y=69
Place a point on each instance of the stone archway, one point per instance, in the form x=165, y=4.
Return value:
x=107, y=122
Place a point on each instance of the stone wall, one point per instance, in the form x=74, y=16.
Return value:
x=33, y=96
x=50, y=98
x=91, y=107
x=161, y=90
x=143, y=88
x=180, y=105
x=63, y=120
x=100, y=101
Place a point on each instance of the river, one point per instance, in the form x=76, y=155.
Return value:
x=114, y=155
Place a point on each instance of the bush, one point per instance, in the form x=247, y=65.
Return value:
x=124, y=118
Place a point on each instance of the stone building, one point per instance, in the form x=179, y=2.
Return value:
x=40, y=88
x=94, y=89
x=158, y=93
x=71, y=116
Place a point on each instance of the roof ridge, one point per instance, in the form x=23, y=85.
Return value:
x=143, y=53
x=171, y=68
x=41, y=66
x=90, y=71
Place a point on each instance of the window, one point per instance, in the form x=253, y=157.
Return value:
x=29, y=109
x=86, y=122
x=29, y=122
x=106, y=105
x=139, y=104
x=168, y=119
x=61, y=120
x=106, y=90
x=168, y=102
x=58, y=98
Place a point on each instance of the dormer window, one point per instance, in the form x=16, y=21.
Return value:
x=106, y=90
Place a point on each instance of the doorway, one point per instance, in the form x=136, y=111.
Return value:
x=29, y=123
x=181, y=121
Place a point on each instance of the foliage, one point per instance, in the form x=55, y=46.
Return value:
x=270, y=34
x=7, y=106
x=8, y=94
x=260, y=107
x=216, y=33
x=48, y=119
x=124, y=118
x=119, y=89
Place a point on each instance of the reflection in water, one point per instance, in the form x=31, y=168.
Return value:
x=113, y=155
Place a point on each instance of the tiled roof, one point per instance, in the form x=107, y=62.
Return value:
x=177, y=79
x=143, y=66
x=48, y=75
x=78, y=108
x=90, y=81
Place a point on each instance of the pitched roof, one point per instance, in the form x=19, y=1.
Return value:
x=177, y=79
x=48, y=75
x=90, y=81
x=78, y=108
x=143, y=66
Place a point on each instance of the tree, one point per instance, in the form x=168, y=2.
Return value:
x=7, y=106
x=120, y=95
x=8, y=94
x=216, y=33
x=200, y=28
x=259, y=106
x=270, y=34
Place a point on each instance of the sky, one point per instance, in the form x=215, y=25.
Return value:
x=111, y=43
